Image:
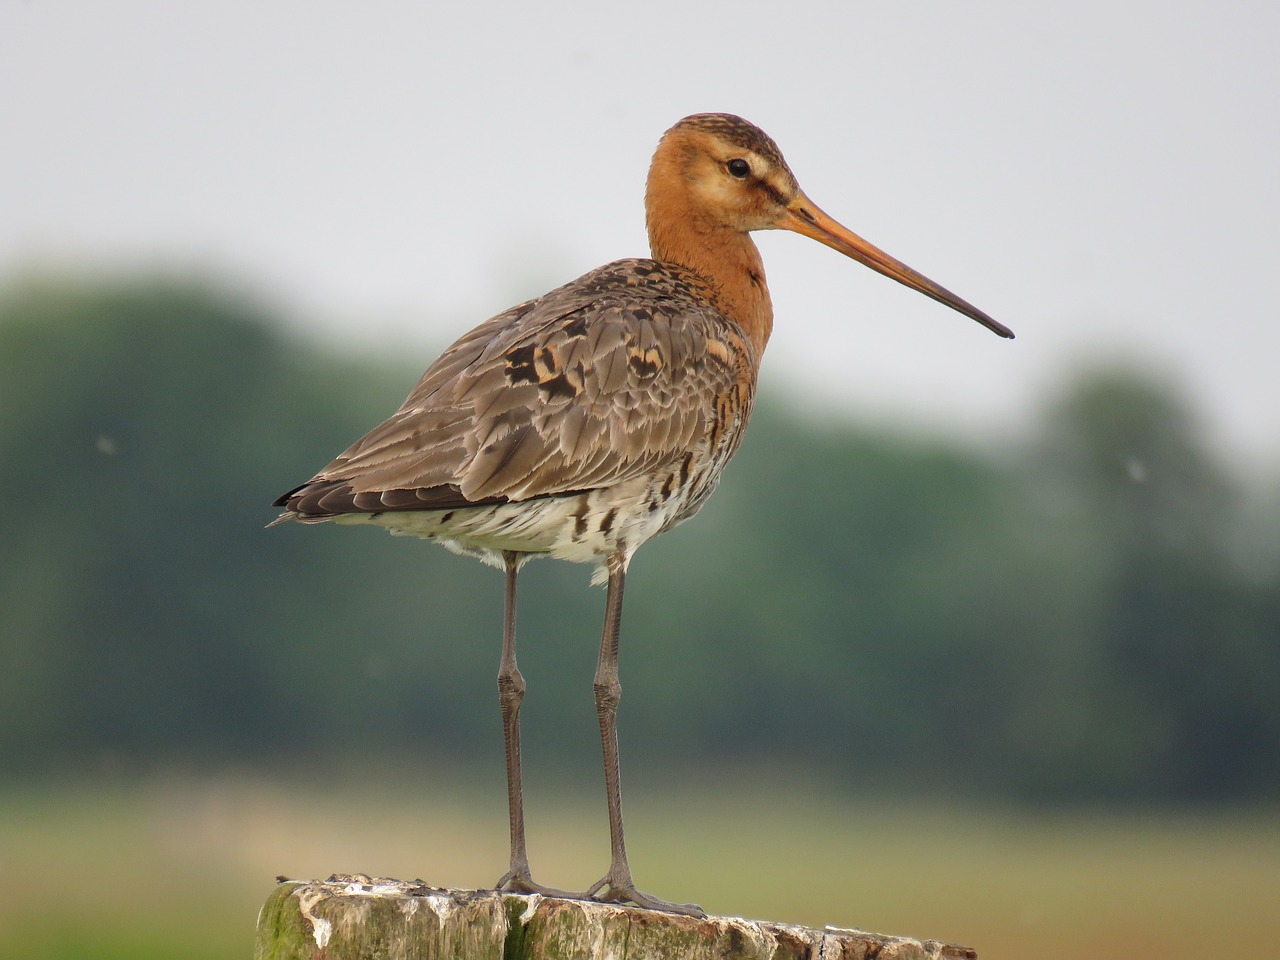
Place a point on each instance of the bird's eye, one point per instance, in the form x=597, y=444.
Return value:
x=739, y=168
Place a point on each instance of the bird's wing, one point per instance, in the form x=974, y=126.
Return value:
x=612, y=376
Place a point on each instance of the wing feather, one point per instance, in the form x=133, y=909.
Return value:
x=598, y=382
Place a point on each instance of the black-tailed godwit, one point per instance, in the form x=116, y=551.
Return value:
x=580, y=424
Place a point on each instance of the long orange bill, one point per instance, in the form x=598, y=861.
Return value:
x=804, y=217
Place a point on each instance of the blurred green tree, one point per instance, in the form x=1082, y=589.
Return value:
x=1175, y=668
x=144, y=429
x=1063, y=622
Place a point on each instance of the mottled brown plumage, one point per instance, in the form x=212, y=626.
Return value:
x=581, y=424
x=624, y=380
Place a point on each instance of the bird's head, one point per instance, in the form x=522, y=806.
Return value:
x=731, y=172
x=716, y=173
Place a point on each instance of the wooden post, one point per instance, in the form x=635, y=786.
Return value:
x=359, y=918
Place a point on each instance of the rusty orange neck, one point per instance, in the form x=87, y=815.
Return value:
x=725, y=257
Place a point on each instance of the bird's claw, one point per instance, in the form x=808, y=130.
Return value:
x=609, y=890
x=523, y=883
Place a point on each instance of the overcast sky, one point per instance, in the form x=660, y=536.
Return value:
x=1104, y=177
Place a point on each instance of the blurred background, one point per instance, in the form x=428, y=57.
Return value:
x=977, y=641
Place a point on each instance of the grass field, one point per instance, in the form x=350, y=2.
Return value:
x=177, y=867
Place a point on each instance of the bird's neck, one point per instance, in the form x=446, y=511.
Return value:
x=726, y=259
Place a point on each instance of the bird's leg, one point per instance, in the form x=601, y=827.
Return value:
x=517, y=879
x=617, y=885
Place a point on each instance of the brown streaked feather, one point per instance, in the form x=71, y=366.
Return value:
x=613, y=376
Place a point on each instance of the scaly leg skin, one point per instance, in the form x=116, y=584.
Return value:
x=617, y=886
x=517, y=879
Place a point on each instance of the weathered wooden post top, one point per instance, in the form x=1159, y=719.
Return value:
x=362, y=918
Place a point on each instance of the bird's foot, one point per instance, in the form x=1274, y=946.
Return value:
x=611, y=889
x=520, y=881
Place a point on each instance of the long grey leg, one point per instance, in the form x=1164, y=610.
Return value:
x=617, y=885
x=510, y=693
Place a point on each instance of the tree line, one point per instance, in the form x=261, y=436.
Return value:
x=1089, y=614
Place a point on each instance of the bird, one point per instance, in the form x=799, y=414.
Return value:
x=580, y=424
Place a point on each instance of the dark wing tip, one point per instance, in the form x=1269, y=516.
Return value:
x=318, y=500
x=326, y=499
x=284, y=498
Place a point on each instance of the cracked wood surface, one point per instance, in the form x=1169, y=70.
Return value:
x=359, y=917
